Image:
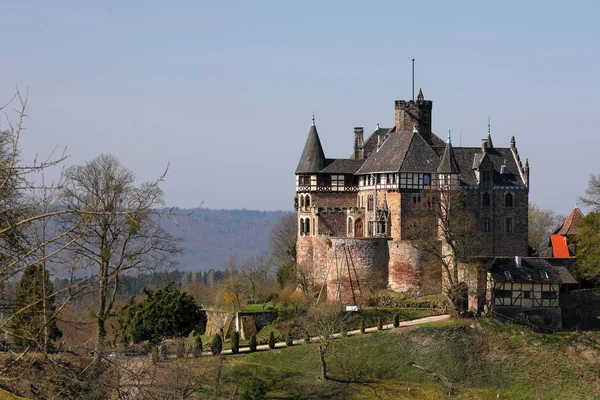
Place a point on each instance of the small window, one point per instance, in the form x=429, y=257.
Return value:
x=307, y=227
x=503, y=293
x=509, y=225
x=307, y=202
x=486, y=200
x=508, y=200
x=527, y=294
x=528, y=276
x=426, y=179
x=549, y=295
x=350, y=226
x=544, y=274
x=415, y=198
x=486, y=224
x=507, y=275
x=485, y=176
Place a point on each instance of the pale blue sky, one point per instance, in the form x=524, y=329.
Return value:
x=224, y=91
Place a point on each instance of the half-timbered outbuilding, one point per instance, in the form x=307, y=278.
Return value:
x=528, y=289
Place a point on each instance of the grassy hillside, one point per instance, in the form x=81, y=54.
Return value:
x=480, y=358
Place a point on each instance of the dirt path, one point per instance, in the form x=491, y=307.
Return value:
x=419, y=321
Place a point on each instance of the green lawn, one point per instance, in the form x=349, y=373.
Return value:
x=484, y=359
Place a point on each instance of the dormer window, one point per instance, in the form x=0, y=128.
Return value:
x=507, y=275
x=544, y=274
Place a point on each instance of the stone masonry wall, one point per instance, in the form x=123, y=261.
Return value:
x=411, y=270
x=360, y=265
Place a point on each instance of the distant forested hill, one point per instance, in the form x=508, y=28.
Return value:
x=211, y=237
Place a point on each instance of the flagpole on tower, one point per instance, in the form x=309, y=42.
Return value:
x=413, y=79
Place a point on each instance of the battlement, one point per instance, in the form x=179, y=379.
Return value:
x=426, y=104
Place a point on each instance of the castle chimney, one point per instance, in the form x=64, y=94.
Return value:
x=526, y=171
x=484, y=145
x=359, y=145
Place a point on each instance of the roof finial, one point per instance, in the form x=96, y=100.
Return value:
x=489, y=127
x=378, y=128
x=313, y=119
x=449, y=141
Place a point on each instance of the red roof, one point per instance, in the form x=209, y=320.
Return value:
x=571, y=225
x=559, y=246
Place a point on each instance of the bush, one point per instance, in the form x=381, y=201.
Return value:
x=255, y=389
x=271, y=340
x=216, y=346
x=289, y=341
x=197, y=346
x=396, y=320
x=361, y=326
x=379, y=324
x=235, y=342
x=253, y=343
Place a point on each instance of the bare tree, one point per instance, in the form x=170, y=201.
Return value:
x=322, y=322
x=283, y=249
x=115, y=230
x=541, y=224
x=592, y=193
x=444, y=226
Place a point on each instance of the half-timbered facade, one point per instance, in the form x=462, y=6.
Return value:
x=529, y=288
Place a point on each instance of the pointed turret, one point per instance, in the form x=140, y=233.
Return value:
x=448, y=165
x=490, y=145
x=420, y=96
x=313, y=157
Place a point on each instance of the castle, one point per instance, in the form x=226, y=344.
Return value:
x=354, y=213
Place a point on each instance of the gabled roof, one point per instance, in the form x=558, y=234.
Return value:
x=448, y=165
x=389, y=157
x=531, y=270
x=571, y=225
x=466, y=158
x=313, y=157
x=420, y=157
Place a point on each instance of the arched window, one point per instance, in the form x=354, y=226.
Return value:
x=314, y=226
x=350, y=226
x=307, y=202
x=301, y=226
x=486, y=200
x=307, y=226
x=301, y=202
x=508, y=200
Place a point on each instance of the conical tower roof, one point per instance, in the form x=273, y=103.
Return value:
x=448, y=165
x=313, y=157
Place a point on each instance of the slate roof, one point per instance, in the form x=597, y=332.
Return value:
x=371, y=142
x=342, y=166
x=448, y=165
x=532, y=267
x=572, y=222
x=389, y=157
x=420, y=157
x=313, y=157
x=467, y=157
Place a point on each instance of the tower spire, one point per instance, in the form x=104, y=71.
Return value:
x=313, y=119
x=449, y=140
x=490, y=145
